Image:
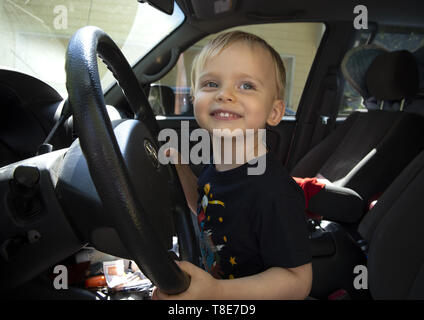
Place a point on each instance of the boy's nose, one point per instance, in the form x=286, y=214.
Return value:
x=225, y=95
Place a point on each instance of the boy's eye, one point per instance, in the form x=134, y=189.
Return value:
x=247, y=86
x=210, y=84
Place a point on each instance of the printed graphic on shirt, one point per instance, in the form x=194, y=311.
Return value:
x=211, y=258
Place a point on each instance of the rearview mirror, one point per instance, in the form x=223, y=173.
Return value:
x=166, y=6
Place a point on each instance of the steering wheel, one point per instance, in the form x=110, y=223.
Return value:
x=140, y=197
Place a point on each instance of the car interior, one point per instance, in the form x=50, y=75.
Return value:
x=79, y=167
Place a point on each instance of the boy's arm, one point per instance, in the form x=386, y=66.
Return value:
x=189, y=183
x=187, y=178
x=274, y=283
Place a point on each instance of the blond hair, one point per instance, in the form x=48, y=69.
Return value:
x=222, y=41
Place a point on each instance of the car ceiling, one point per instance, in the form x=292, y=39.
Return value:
x=407, y=12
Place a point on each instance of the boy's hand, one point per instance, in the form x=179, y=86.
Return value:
x=173, y=155
x=202, y=286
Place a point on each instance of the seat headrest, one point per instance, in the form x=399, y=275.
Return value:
x=164, y=96
x=393, y=76
x=356, y=63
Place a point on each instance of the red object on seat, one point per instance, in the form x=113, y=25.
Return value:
x=373, y=201
x=340, y=294
x=310, y=187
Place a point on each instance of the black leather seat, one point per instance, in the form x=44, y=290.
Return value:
x=389, y=235
x=369, y=149
x=392, y=249
x=393, y=230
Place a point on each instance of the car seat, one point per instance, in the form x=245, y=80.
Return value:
x=391, y=250
x=414, y=104
x=162, y=99
x=393, y=232
x=369, y=149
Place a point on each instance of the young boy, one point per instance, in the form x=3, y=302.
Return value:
x=253, y=234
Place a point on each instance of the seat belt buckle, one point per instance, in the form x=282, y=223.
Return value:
x=324, y=119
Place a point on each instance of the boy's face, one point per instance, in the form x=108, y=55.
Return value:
x=237, y=90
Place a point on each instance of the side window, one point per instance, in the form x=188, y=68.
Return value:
x=297, y=43
x=390, y=38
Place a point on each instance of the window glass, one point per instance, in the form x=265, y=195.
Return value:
x=35, y=34
x=297, y=43
x=391, y=38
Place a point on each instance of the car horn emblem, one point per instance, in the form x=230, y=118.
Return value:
x=152, y=153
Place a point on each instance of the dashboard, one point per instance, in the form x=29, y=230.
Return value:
x=29, y=109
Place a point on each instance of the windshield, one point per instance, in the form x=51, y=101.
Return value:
x=35, y=34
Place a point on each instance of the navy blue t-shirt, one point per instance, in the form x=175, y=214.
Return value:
x=249, y=223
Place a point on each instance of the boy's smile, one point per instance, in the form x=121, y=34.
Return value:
x=236, y=89
x=224, y=115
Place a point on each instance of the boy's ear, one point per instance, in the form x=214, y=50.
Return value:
x=277, y=113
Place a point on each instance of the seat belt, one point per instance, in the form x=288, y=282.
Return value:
x=327, y=111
